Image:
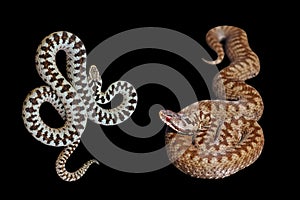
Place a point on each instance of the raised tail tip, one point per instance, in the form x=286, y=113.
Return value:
x=213, y=62
x=96, y=162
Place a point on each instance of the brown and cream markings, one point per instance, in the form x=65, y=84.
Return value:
x=217, y=138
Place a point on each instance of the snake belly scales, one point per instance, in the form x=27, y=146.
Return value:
x=76, y=98
x=216, y=138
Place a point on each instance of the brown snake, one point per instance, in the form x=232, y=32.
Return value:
x=217, y=138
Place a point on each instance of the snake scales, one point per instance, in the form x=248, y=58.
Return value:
x=76, y=98
x=217, y=138
x=213, y=138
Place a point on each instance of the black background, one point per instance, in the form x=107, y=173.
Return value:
x=30, y=164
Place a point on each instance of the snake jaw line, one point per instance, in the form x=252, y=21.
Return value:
x=168, y=116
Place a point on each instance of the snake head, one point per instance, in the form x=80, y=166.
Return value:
x=177, y=121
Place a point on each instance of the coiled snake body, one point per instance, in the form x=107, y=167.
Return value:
x=217, y=138
x=76, y=98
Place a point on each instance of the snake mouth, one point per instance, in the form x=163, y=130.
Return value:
x=173, y=126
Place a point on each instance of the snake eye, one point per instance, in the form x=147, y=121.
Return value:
x=168, y=118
